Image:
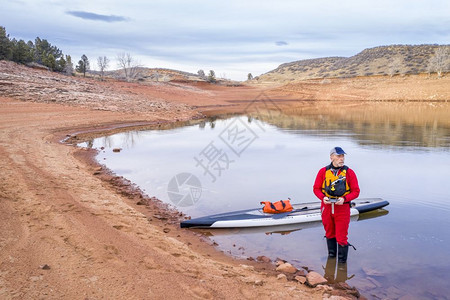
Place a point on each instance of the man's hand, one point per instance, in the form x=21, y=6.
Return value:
x=326, y=200
x=340, y=201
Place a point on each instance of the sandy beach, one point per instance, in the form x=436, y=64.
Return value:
x=72, y=230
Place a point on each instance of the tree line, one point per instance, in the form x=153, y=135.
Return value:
x=44, y=53
x=131, y=67
x=40, y=51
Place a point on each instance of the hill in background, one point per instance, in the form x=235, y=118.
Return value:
x=383, y=60
x=154, y=74
x=149, y=75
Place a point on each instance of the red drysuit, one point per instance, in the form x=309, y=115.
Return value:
x=336, y=225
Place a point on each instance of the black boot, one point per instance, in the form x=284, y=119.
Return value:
x=332, y=247
x=342, y=254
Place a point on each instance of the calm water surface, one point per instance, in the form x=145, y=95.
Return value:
x=240, y=161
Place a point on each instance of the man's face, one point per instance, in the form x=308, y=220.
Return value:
x=337, y=160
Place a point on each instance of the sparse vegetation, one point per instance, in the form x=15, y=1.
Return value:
x=131, y=67
x=440, y=61
x=212, y=76
x=201, y=74
x=383, y=60
x=68, y=69
x=395, y=66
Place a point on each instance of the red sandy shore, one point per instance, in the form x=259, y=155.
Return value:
x=71, y=230
x=88, y=229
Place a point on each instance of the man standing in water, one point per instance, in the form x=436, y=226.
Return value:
x=336, y=185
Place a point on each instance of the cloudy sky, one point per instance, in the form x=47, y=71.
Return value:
x=233, y=38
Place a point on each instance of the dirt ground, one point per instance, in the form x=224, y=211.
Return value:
x=71, y=230
x=96, y=242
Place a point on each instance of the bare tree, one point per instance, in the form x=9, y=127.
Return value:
x=123, y=60
x=201, y=73
x=103, y=63
x=129, y=65
x=395, y=66
x=156, y=75
x=440, y=61
x=68, y=69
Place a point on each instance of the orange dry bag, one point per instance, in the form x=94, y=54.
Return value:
x=277, y=207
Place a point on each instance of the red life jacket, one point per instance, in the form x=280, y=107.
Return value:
x=277, y=207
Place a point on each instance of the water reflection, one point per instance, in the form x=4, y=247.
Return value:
x=400, y=153
x=393, y=124
x=284, y=229
x=336, y=272
x=406, y=125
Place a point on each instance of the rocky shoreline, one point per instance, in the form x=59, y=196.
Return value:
x=168, y=219
x=73, y=229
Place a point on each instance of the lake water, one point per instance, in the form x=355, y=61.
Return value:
x=400, y=153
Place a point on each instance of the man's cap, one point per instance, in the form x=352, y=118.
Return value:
x=337, y=150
